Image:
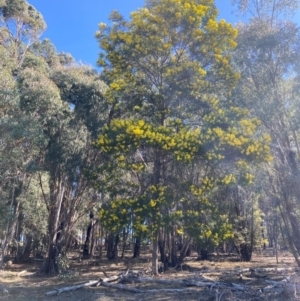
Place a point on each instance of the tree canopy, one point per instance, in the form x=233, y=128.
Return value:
x=186, y=136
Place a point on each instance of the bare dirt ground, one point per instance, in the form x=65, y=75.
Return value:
x=19, y=282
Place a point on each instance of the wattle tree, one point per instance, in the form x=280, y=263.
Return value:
x=172, y=123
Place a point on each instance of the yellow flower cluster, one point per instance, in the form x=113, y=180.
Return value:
x=124, y=134
x=249, y=178
x=206, y=185
x=212, y=25
x=196, y=191
x=228, y=179
x=248, y=126
x=118, y=84
x=239, y=135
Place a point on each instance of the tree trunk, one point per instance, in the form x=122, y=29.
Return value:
x=10, y=230
x=246, y=252
x=156, y=181
x=137, y=247
x=289, y=236
x=86, y=247
x=89, y=241
x=125, y=235
x=184, y=250
x=204, y=254
x=116, y=246
x=92, y=244
x=162, y=247
x=57, y=191
x=173, y=251
x=295, y=229
x=112, y=246
x=155, y=254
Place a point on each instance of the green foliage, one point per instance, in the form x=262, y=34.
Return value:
x=63, y=265
x=34, y=205
x=248, y=220
x=20, y=26
x=82, y=88
x=267, y=53
x=50, y=108
x=20, y=9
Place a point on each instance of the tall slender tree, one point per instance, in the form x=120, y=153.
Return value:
x=267, y=52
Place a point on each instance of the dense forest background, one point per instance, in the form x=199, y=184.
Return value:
x=186, y=139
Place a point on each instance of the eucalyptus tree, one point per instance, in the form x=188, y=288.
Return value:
x=20, y=26
x=266, y=10
x=62, y=100
x=267, y=52
x=55, y=109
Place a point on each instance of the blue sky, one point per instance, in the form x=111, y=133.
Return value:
x=73, y=23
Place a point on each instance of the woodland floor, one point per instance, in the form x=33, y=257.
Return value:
x=23, y=285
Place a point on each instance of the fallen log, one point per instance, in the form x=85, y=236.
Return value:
x=87, y=284
x=150, y=291
x=22, y=272
x=284, y=285
x=275, y=269
x=286, y=269
x=194, y=282
x=169, y=290
x=197, y=283
x=71, y=288
x=109, y=279
x=260, y=270
x=202, y=282
x=122, y=287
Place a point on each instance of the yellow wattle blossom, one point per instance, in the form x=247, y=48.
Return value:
x=152, y=203
x=208, y=233
x=137, y=131
x=212, y=25
x=180, y=231
x=249, y=178
x=228, y=179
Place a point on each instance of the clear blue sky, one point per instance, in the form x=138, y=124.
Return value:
x=73, y=23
